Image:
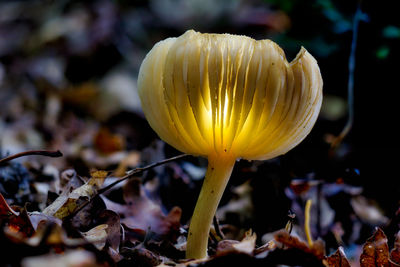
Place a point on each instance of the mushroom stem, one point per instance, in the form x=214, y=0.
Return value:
x=218, y=172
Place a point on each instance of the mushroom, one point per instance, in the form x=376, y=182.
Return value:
x=226, y=97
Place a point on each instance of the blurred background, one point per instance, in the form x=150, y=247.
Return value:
x=68, y=74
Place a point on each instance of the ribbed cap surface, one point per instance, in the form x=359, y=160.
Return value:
x=229, y=95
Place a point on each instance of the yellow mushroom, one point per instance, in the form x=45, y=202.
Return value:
x=225, y=97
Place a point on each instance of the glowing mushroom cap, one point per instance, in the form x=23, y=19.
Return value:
x=223, y=94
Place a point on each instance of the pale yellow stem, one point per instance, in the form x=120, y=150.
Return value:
x=217, y=176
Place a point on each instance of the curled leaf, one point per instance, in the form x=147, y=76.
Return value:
x=97, y=236
x=375, y=251
x=67, y=203
x=395, y=252
x=337, y=259
x=318, y=248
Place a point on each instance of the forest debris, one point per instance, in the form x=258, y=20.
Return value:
x=97, y=236
x=375, y=251
x=37, y=217
x=395, y=252
x=112, y=220
x=21, y=224
x=67, y=203
x=5, y=209
x=289, y=241
x=15, y=221
x=139, y=211
x=337, y=259
x=246, y=245
x=107, y=142
x=32, y=152
x=69, y=178
x=368, y=211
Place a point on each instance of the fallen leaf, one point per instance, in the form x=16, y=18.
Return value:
x=301, y=186
x=246, y=245
x=97, y=236
x=107, y=142
x=69, y=179
x=97, y=179
x=337, y=259
x=37, y=217
x=395, y=252
x=141, y=212
x=47, y=234
x=5, y=209
x=368, y=211
x=67, y=203
x=16, y=221
x=318, y=248
x=112, y=220
x=375, y=251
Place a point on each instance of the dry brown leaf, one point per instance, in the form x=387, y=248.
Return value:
x=5, y=209
x=395, y=252
x=368, y=211
x=247, y=244
x=97, y=236
x=375, y=251
x=141, y=212
x=16, y=221
x=113, y=230
x=37, y=217
x=107, y=142
x=318, y=248
x=47, y=234
x=67, y=203
x=337, y=259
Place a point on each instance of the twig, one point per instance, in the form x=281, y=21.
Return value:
x=350, y=84
x=46, y=153
x=139, y=170
x=217, y=228
x=131, y=174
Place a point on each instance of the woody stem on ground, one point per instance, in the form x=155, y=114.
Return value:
x=217, y=176
x=46, y=153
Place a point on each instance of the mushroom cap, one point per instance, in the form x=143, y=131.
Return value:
x=229, y=95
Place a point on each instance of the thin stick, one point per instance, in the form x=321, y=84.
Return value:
x=140, y=170
x=53, y=154
x=131, y=174
x=217, y=228
x=350, y=82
